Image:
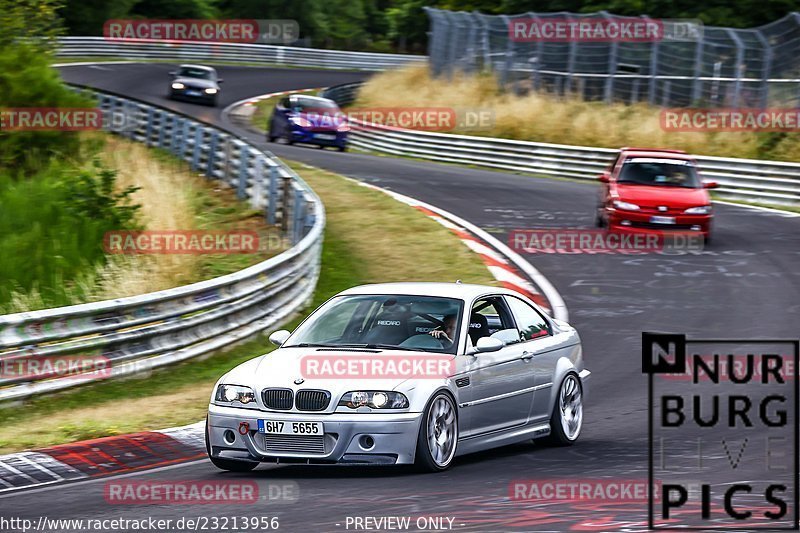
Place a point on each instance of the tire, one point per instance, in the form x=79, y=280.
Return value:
x=566, y=425
x=228, y=464
x=442, y=414
x=342, y=148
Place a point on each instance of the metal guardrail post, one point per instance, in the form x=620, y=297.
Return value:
x=211, y=157
x=198, y=145
x=244, y=165
x=286, y=207
x=272, y=208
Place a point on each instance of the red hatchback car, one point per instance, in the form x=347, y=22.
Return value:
x=648, y=189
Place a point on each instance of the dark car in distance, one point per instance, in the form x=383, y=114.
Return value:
x=195, y=83
x=309, y=120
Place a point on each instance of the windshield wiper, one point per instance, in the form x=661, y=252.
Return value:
x=324, y=345
x=396, y=347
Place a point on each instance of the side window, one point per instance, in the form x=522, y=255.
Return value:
x=491, y=317
x=284, y=102
x=530, y=323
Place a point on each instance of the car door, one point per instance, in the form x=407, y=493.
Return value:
x=541, y=349
x=500, y=389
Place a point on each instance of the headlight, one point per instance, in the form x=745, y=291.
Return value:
x=300, y=121
x=211, y=90
x=625, y=205
x=235, y=393
x=699, y=210
x=374, y=399
x=178, y=85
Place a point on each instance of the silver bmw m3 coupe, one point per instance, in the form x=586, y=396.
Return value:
x=402, y=373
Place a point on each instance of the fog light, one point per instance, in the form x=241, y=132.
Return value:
x=366, y=442
x=696, y=228
x=244, y=427
x=229, y=437
x=625, y=223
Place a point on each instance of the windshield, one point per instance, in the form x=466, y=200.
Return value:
x=659, y=172
x=189, y=72
x=306, y=105
x=383, y=321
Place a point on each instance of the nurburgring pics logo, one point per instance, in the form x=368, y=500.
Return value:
x=730, y=120
x=181, y=242
x=380, y=367
x=732, y=425
x=596, y=241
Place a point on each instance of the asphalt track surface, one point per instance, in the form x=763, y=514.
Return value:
x=746, y=285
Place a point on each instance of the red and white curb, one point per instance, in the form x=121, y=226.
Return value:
x=102, y=457
x=246, y=107
x=507, y=266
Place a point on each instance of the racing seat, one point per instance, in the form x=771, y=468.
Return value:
x=478, y=327
x=391, y=327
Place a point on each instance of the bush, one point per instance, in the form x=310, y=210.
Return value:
x=52, y=226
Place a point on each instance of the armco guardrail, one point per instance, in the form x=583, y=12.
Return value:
x=752, y=180
x=229, y=53
x=131, y=335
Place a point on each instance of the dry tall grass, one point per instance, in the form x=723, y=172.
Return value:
x=545, y=118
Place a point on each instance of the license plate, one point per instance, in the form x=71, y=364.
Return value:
x=325, y=137
x=288, y=427
x=193, y=93
x=662, y=220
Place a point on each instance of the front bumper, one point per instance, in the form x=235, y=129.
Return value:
x=393, y=435
x=319, y=138
x=184, y=94
x=638, y=222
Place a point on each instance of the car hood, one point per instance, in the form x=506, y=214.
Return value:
x=283, y=366
x=197, y=82
x=677, y=197
x=323, y=118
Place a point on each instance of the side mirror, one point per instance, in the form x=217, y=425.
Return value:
x=220, y=80
x=173, y=73
x=605, y=177
x=488, y=344
x=710, y=184
x=279, y=337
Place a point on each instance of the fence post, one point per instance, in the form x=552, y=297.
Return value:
x=697, y=85
x=651, y=89
x=509, y=60
x=739, y=67
x=612, y=65
x=765, y=70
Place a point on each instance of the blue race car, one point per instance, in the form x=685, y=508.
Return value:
x=309, y=120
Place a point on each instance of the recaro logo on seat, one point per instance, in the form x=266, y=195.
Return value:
x=388, y=322
x=475, y=325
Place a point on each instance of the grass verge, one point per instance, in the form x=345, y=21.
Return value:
x=569, y=120
x=379, y=240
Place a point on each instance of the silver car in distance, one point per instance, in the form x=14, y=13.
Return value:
x=402, y=373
